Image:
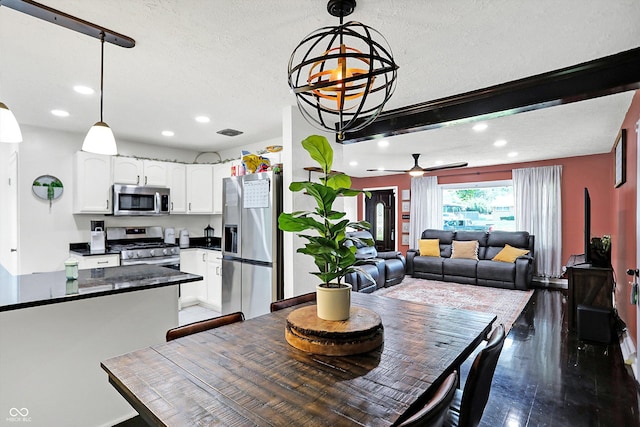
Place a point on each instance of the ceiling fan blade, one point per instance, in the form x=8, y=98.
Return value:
x=386, y=170
x=447, y=166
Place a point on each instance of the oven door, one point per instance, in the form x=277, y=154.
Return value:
x=171, y=262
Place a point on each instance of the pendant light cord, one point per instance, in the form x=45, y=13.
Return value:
x=101, y=71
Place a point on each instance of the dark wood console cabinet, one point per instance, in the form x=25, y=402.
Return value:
x=591, y=286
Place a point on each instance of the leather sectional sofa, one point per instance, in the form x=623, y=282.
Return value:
x=484, y=271
x=386, y=268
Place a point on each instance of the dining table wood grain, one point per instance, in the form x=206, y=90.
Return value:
x=247, y=374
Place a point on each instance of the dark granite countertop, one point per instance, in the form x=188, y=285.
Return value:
x=84, y=249
x=31, y=290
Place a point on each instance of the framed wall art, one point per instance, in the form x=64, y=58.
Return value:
x=620, y=156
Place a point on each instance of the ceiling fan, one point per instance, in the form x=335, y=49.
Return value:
x=417, y=170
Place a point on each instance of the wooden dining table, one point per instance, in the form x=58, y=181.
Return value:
x=247, y=374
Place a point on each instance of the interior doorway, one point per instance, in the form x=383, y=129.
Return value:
x=380, y=212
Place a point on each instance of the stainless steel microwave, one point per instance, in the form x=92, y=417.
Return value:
x=140, y=200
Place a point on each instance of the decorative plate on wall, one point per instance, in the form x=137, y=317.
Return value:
x=47, y=187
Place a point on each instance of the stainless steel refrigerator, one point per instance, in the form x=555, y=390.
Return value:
x=251, y=243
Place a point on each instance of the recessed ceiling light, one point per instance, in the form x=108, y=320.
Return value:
x=500, y=143
x=203, y=119
x=60, y=113
x=479, y=127
x=512, y=154
x=167, y=133
x=353, y=163
x=383, y=143
x=85, y=90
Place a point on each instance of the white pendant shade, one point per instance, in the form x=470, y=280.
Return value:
x=100, y=140
x=9, y=129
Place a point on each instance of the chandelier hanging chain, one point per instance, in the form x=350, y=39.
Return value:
x=101, y=72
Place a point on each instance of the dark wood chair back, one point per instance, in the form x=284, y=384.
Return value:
x=478, y=385
x=204, y=325
x=290, y=302
x=433, y=413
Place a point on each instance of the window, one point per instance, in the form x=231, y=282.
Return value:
x=380, y=221
x=481, y=206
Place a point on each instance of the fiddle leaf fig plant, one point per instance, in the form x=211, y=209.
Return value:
x=332, y=250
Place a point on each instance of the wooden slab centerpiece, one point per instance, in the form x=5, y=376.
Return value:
x=360, y=333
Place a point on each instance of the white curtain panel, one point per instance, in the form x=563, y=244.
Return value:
x=539, y=211
x=426, y=207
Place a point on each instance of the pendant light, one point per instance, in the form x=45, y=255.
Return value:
x=9, y=128
x=342, y=75
x=100, y=139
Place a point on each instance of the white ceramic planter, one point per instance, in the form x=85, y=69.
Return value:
x=334, y=303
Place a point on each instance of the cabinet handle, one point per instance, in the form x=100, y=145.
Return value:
x=145, y=180
x=217, y=271
x=107, y=204
x=171, y=205
x=103, y=262
x=203, y=257
x=137, y=179
x=189, y=206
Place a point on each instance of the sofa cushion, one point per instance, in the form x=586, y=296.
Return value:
x=498, y=271
x=429, y=247
x=459, y=267
x=427, y=264
x=466, y=250
x=509, y=254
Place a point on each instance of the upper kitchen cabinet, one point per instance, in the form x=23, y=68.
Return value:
x=177, y=182
x=132, y=171
x=200, y=189
x=220, y=171
x=92, y=179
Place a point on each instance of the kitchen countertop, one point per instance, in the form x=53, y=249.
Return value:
x=31, y=290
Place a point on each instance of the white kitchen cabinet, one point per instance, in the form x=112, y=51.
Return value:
x=199, y=189
x=177, y=182
x=92, y=183
x=214, y=280
x=220, y=171
x=192, y=261
x=97, y=261
x=132, y=171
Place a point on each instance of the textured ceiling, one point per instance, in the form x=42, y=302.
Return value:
x=228, y=60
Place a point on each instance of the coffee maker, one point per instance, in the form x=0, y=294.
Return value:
x=96, y=245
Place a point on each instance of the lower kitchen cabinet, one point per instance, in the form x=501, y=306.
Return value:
x=207, y=292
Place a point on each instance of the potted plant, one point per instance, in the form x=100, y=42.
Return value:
x=332, y=250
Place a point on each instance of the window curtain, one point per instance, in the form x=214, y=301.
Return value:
x=426, y=207
x=539, y=211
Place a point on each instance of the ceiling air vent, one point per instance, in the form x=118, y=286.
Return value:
x=229, y=132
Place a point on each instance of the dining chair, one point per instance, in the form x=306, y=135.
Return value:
x=289, y=302
x=468, y=405
x=433, y=413
x=204, y=325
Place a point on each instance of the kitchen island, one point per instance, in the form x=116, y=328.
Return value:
x=54, y=333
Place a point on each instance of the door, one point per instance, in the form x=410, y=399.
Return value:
x=380, y=213
x=12, y=204
x=637, y=266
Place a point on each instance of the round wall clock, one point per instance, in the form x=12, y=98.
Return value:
x=47, y=187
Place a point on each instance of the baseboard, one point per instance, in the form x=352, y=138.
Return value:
x=629, y=354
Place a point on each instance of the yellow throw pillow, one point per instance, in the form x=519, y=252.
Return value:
x=429, y=247
x=466, y=250
x=509, y=254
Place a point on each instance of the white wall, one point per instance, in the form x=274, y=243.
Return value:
x=297, y=267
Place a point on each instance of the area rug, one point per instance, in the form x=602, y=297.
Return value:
x=506, y=304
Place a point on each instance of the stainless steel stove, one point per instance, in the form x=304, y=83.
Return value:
x=142, y=245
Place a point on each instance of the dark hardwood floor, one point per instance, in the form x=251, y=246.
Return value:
x=543, y=379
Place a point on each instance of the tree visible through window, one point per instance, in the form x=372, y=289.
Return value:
x=479, y=206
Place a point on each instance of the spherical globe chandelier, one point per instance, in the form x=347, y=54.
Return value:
x=342, y=75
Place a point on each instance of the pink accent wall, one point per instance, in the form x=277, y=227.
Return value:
x=613, y=210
